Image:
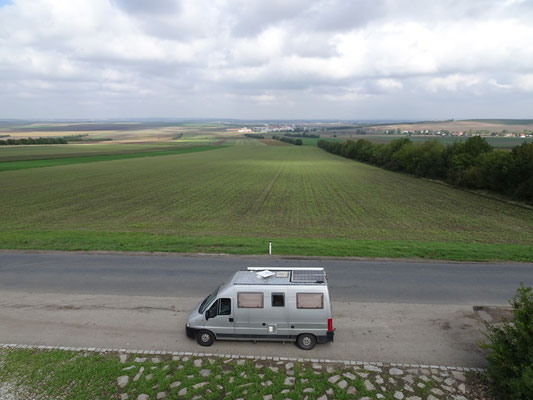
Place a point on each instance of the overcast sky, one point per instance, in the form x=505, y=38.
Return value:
x=330, y=59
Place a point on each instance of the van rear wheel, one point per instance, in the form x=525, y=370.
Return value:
x=306, y=341
x=205, y=338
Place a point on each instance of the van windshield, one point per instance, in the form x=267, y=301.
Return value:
x=208, y=300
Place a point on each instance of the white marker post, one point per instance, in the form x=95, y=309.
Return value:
x=270, y=247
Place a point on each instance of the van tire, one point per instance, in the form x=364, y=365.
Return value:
x=205, y=338
x=306, y=341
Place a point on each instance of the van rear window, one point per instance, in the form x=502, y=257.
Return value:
x=310, y=300
x=250, y=300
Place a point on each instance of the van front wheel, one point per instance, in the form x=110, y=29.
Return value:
x=205, y=338
x=306, y=341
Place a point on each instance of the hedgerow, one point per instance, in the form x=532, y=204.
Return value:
x=472, y=164
x=41, y=140
x=297, y=142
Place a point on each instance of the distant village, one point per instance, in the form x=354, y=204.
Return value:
x=268, y=128
x=470, y=132
x=372, y=130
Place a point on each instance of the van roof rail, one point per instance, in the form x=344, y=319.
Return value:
x=286, y=268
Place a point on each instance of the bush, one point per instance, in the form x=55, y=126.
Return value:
x=522, y=172
x=510, y=358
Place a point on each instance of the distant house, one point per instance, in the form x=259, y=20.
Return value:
x=245, y=130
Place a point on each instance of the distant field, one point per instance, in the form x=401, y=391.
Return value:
x=499, y=142
x=503, y=121
x=88, y=158
x=29, y=152
x=493, y=125
x=116, y=131
x=236, y=198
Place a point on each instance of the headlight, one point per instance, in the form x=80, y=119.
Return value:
x=188, y=324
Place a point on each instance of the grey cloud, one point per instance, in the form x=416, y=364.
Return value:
x=252, y=18
x=319, y=59
x=148, y=7
x=340, y=15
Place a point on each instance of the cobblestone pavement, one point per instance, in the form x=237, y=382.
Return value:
x=203, y=375
x=364, y=382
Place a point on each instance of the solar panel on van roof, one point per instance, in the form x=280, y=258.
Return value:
x=280, y=277
x=307, y=276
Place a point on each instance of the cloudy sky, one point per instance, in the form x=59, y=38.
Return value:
x=292, y=59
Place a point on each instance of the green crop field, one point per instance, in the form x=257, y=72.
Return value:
x=18, y=153
x=238, y=197
x=86, y=158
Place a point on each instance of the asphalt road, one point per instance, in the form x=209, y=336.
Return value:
x=196, y=276
x=389, y=311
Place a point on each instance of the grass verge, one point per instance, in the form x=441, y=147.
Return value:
x=52, y=162
x=140, y=241
x=79, y=375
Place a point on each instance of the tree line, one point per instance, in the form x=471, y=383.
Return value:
x=254, y=135
x=302, y=135
x=297, y=142
x=473, y=163
x=41, y=140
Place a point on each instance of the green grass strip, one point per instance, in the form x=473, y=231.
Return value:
x=141, y=241
x=62, y=373
x=73, y=375
x=52, y=162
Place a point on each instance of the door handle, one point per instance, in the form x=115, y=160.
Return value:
x=231, y=320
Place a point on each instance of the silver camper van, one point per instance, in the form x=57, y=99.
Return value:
x=284, y=304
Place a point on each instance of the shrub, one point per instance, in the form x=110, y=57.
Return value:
x=510, y=347
x=496, y=169
x=522, y=172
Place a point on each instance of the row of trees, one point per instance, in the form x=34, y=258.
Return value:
x=302, y=135
x=84, y=138
x=473, y=163
x=254, y=135
x=297, y=142
x=41, y=140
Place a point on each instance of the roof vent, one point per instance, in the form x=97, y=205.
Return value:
x=265, y=274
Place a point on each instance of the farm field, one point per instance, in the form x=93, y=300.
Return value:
x=493, y=125
x=88, y=158
x=236, y=198
x=129, y=132
x=29, y=152
x=498, y=142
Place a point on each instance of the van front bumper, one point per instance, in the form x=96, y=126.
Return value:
x=191, y=332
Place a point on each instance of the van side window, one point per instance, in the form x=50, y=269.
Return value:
x=250, y=300
x=310, y=300
x=224, y=306
x=278, y=300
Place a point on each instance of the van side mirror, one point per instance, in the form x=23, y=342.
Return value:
x=207, y=315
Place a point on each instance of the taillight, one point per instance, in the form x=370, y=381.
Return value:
x=330, y=325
